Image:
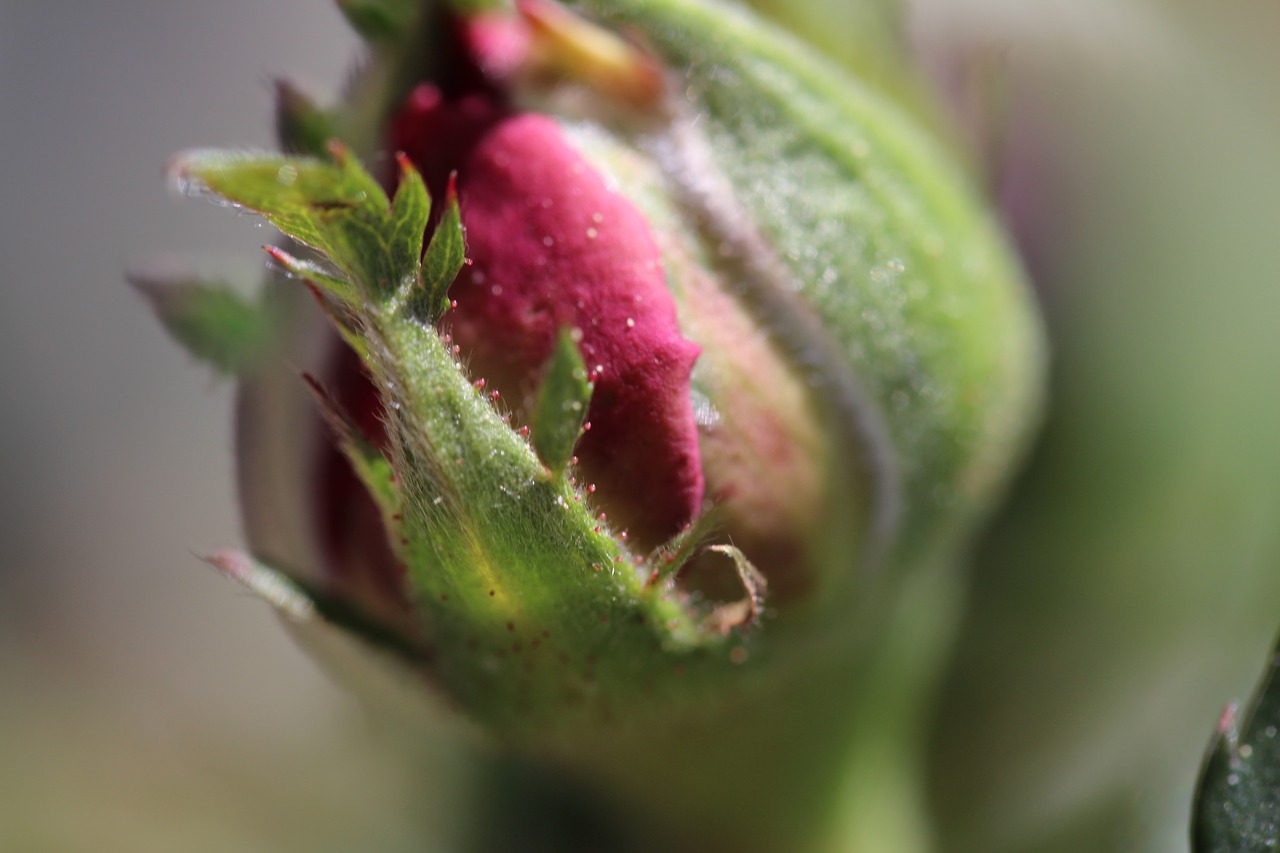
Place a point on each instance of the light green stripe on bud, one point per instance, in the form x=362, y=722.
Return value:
x=864, y=251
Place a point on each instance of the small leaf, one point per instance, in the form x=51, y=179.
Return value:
x=333, y=206
x=214, y=323
x=561, y=407
x=379, y=20
x=1237, y=804
x=445, y=256
x=302, y=127
x=410, y=211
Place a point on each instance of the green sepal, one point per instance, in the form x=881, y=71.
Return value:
x=213, y=322
x=1237, y=806
x=301, y=602
x=302, y=127
x=380, y=21
x=561, y=406
x=335, y=295
x=367, y=461
x=501, y=558
x=445, y=257
x=310, y=271
x=669, y=558
x=334, y=206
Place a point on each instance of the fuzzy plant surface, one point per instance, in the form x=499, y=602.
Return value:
x=630, y=383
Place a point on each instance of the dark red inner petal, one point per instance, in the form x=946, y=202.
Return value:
x=359, y=562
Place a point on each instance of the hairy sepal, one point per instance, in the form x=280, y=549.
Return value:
x=538, y=614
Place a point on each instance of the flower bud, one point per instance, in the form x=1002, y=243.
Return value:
x=730, y=338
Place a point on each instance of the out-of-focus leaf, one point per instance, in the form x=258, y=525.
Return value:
x=301, y=125
x=380, y=20
x=213, y=322
x=1237, y=807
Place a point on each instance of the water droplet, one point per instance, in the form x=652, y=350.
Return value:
x=1246, y=751
x=287, y=174
x=548, y=241
x=631, y=323
x=592, y=233
x=1270, y=731
x=705, y=414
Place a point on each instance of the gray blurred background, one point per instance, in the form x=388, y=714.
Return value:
x=1128, y=592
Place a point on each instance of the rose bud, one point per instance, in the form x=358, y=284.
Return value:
x=670, y=372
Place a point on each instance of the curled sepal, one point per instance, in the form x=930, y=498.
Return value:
x=1237, y=804
x=561, y=407
x=214, y=323
x=745, y=611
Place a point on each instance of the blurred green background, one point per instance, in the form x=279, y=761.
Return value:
x=1130, y=588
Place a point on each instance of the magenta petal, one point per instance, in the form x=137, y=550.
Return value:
x=552, y=246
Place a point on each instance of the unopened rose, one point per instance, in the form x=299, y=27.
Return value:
x=662, y=484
